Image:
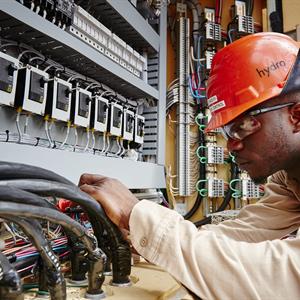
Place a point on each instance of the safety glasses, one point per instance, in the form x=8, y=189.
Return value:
x=248, y=124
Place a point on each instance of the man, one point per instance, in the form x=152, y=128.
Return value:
x=254, y=96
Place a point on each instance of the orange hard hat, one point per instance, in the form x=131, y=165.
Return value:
x=247, y=72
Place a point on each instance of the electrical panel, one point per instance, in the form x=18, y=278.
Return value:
x=81, y=107
x=58, y=104
x=215, y=187
x=8, y=78
x=128, y=125
x=250, y=189
x=215, y=155
x=100, y=115
x=116, y=117
x=31, y=93
x=139, y=129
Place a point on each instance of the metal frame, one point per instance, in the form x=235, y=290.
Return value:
x=45, y=36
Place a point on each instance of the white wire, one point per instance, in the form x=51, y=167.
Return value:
x=87, y=141
x=108, y=144
x=26, y=123
x=93, y=140
x=47, y=133
x=104, y=142
x=28, y=51
x=119, y=147
x=66, y=138
x=18, y=126
x=76, y=138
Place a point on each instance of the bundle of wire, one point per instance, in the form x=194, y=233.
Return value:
x=29, y=185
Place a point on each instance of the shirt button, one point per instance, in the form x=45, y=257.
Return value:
x=143, y=242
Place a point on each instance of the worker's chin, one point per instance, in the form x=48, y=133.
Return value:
x=254, y=175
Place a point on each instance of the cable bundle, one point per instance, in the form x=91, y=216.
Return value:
x=24, y=187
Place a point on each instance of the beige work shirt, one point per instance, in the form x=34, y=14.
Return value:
x=242, y=259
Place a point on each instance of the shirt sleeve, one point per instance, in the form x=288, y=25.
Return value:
x=211, y=265
x=274, y=216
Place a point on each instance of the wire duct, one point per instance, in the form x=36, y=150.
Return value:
x=10, y=281
x=121, y=256
x=55, y=280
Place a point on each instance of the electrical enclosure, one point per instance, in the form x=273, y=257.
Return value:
x=99, y=117
x=139, y=129
x=116, y=117
x=128, y=125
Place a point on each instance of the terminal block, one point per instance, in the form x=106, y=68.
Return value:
x=139, y=129
x=128, y=125
x=81, y=107
x=8, y=78
x=31, y=92
x=245, y=24
x=215, y=155
x=209, y=55
x=99, y=117
x=213, y=31
x=215, y=187
x=58, y=104
x=250, y=189
x=116, y=117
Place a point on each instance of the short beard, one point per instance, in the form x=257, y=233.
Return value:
x=259, y=180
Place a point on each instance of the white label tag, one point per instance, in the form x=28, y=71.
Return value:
x=217, y=106
x=212, y=100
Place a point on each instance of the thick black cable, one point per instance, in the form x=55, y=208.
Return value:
x=121, y=256
x=227, y=198
x=11, y=170
x=10, y=281
x=96, y=257
x=55, y=279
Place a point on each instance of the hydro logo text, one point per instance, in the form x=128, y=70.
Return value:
x=273, y=67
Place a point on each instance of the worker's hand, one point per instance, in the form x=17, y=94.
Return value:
x=115, y=198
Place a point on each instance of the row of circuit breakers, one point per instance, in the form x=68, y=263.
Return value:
x=78, y=22
x=35, y=91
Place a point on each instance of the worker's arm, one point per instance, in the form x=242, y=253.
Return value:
x=274, y=216
x=214, y=266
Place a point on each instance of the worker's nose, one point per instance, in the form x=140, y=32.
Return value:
x=234, y=145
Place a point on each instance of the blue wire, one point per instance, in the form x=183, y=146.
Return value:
x=197, y=96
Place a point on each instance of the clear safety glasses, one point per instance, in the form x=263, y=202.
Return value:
x=248, y=124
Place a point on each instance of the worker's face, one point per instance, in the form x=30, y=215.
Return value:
x=266, y=150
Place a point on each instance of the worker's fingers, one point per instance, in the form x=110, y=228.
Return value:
x=90, y=179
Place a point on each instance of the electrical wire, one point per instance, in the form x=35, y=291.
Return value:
x=120, y=249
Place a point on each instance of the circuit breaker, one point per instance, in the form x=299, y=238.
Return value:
x=245, y=24
x=139, y=129
x=99, y=117
x=116, y=117
x=128, y=125
x=81, y=107
x=58, y=104
x=8, y=78
x=31, y=92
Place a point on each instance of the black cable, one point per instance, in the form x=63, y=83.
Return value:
x=10, y=281
x=121, y=256
x=55, y=280
x=10, y=170
x=96, y=257
x=227, y=198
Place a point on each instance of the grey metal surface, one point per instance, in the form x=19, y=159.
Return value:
x=134, y=175
x=162, y=87
x=21, y=24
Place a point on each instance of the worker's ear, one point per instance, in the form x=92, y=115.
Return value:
x=295, y=117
